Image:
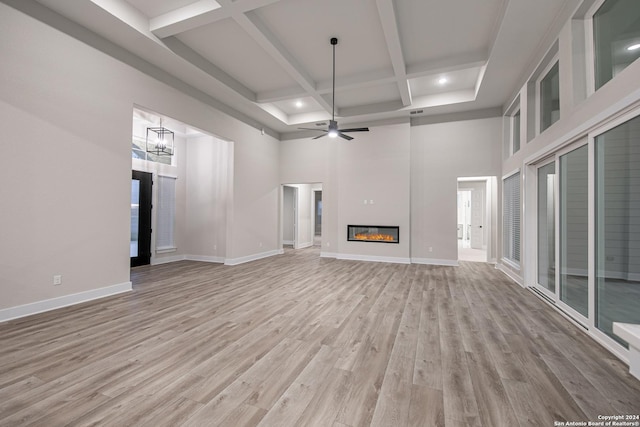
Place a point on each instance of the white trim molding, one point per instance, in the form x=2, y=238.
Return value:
x=63, y=301
x=328, y=255
x=254, y=257
x=304, y=245
x=167, y=259
x=433, y=261
x=205, y=258
x=372, y=258
x=510, y=273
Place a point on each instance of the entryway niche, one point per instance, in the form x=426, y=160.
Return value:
x=301, y=215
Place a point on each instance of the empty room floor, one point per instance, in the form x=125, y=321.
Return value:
x=299, y=340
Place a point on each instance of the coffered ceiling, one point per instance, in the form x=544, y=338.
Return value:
x=268, y=62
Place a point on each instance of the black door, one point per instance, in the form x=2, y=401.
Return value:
x=140, y=218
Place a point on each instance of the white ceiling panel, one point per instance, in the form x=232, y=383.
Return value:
x=298, y=105
x=357, y=97
x=432, y=29
x=444, y=82
x=304, y=28
x=153, y=8
x=230, y=48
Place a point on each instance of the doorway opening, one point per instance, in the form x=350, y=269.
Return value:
x=301, y=215
x=140, y=243
x=474, y=218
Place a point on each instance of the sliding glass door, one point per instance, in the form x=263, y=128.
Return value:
x=617, y=224
x=588, y=229
x=574, y=229
x=547, y=227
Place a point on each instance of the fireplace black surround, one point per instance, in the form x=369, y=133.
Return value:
x=373, y=233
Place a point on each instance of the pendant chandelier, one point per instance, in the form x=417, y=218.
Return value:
x=160, y=141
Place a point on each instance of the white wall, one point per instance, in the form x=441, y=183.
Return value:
x=66, y=110
x=375, y=167
x=207, y=189
x=288, y=215
x=440, y=153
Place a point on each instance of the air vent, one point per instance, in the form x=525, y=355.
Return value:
x=417, y=112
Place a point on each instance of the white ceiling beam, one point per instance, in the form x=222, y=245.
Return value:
x=200, y=13
x=272, y=46
x=448, y=64
x=186, y=18
x=193, y=57
x=387, y=14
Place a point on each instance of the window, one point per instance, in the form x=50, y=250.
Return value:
x=616, y=38
x=511, y=218
x=617, y=223
x=166, y=213
x=139, y=151
x=549, y=95
x=515, y=135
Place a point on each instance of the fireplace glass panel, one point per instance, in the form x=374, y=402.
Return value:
x=373, y=233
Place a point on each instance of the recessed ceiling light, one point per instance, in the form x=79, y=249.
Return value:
x=634, y=46
x=299, y=104
x=442, y=80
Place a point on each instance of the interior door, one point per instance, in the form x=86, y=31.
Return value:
x=477, y=219
x=140, y=245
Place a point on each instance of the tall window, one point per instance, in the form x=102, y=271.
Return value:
x=511, y=218
x=166, y=213
x=616, y=38
x=550, y=97
x=515, y=132
x=617, y=176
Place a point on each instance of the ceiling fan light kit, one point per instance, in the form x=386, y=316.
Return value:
x=333, y=130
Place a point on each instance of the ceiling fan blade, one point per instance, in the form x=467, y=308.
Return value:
x=347, y=137
x=321, y=130
x=355, y=130
x=319, y=136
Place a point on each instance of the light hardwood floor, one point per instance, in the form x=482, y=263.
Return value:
x=296, y=340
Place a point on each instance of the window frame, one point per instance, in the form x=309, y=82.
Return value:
x=538, y=91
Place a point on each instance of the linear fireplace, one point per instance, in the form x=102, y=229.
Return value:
x=373, y=233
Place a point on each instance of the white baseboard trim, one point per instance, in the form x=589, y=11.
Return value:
x=64, y=301
x=328, y=255
x=254, y=257
x=168, y=259
x=287, y=242
x=205, y=258
x=510, y=274
x=432, y=261
x=304, y=245
x=371, y=258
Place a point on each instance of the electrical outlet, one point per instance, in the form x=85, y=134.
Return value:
x=260, y=244
x=430, y=248
x=57, y=279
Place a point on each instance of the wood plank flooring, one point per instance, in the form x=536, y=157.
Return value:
x=296, y=340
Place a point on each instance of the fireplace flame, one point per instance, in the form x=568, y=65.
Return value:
x=377, y=237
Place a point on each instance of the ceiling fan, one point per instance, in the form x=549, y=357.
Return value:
x=333, y=130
